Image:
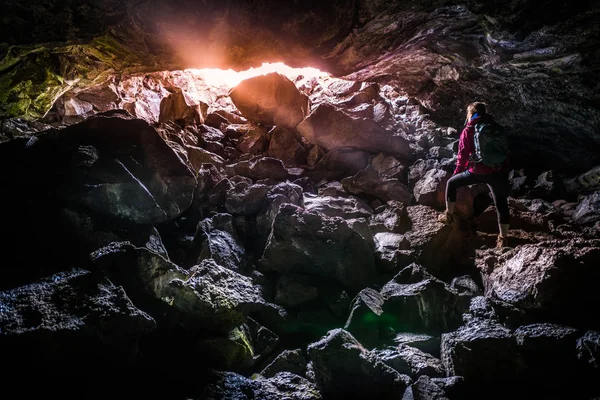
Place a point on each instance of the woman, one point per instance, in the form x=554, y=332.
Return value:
x=469, y=172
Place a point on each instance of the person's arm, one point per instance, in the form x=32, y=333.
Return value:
x=464, y=150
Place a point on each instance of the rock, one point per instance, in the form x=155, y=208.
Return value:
x=179, y=106
x=292, y=361
x=363, y=321
x=368, y=181
x=418, y=170
x=550, y=280
x=389, y=167
x=432, y=243
x=391, y=217
x=314, y=156
x=294, y=290
x=198, y=157
x=284, y=385
x=271, y=99
x=416, y=301
x=246, y=199
x=549, y=353
x=259, y=168
x=347, y=208
x=426, y=388
x=227, y=352
x=209, y=296
x=91, y=232
x=588, y=211
x=482, y=352
x=425, y=343
x=285, y=147
x=218, y=240
x=588, y=350
x=74, y=317
x=330, y=128
x=411, y=361
x=126, y=150
x=305, y=242
x=339, y=163
x=254, y=140
x=392, y=251
x=343, y=367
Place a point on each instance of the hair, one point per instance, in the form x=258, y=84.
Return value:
x=475, y=107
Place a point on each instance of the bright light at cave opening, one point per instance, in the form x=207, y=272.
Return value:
x=230, y=78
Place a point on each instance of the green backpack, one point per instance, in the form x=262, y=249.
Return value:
x=491, y=144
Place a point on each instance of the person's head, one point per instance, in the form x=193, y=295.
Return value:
x=476, y=108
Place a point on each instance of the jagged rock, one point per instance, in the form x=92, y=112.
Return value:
x=285, y=146
x=432, y=243
x=466, y=285
x=219, y=241
x=294, y=290
x=416, y=301
x=227, y=352
x=305, y=242
x=586, y=182
x=259, y=168
x=337, y=301
x=370, y=182
x=126, y=150
x=440, y=152
x=292, y=361
x=343, y=207
x=315, y=154
x=588, y=211
x=343, y=367
x=410, y=361
x=426, y=388
x=425, y=343
x=329, y=128
x=482, y=352
x=339, y=163
x=391, y=217
x=549, y=279
x=418, y=170
x=389, y=167
x=271, y=99
x=198, y=156
x=549, y=353
x=92, y=232
x=588, y=350
x=207, y=296
x=245, y=198
x=179, y=106
x=283, y=192
x=392, y=251
x=363, y=322
x=284, y=385
x=73, y=317
x=254, y=140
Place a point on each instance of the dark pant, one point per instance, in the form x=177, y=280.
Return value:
x=497, y=182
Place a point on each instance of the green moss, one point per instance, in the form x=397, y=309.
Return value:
x=32, y=78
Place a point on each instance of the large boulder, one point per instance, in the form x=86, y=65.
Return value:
x=284, y=385
x=271, y=99
x=208, y=296
x=329, y=127
x=370, y=182
x=179, y=106
x=70, y=318
x=549, y=280
x=284, y=146
x=309, y=243
x=342, y=366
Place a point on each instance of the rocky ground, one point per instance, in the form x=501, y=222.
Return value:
x=166, y=238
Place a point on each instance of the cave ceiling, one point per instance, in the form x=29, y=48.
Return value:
x=534, y=62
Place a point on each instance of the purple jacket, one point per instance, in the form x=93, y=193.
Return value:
x=466, y=147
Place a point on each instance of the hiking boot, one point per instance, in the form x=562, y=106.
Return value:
x=446, y=218
x=502, y=242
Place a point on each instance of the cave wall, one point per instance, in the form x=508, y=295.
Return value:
x=535, y=63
